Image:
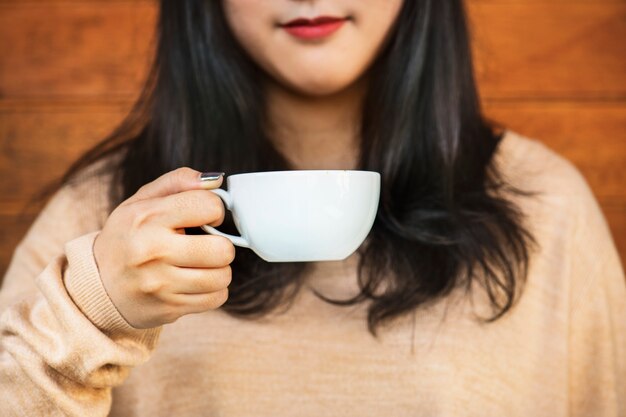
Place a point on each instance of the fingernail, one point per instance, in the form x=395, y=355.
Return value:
x=210, y=176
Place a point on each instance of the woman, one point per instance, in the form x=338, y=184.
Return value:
x=489, y=284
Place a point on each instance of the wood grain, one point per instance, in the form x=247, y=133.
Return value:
x=550, y=70
x=49, y=138
x=15, y=226
x=37, y=145
x=591, y=135
x=550, y=49
x=616, y=217
x=13, y=229
x=63, y=49
x=522, y=49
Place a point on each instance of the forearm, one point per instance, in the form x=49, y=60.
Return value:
x=65, y=347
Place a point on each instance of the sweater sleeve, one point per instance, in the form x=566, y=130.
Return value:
x=63, y=344
x=597, y=334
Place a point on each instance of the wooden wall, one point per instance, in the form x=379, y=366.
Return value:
x=548, y=69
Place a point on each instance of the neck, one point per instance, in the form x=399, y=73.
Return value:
x=316, y=132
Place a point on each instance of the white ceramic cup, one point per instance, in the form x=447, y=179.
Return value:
x=306, y=215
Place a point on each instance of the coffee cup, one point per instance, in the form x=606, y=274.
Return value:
x=301, y=215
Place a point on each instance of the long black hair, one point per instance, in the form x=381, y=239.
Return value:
x=445, y=216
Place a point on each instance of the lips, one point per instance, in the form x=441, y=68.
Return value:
x=313, y=22
x=316, y=28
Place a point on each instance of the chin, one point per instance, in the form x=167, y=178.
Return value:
x=319, y=87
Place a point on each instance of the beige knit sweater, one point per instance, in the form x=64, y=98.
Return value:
x=65, y=350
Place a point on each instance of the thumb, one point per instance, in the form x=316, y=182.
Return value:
x=176, y=181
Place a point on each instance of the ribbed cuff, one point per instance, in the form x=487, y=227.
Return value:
x=82, y=281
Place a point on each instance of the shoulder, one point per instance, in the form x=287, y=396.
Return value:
x=73, y=210
x=88, y=191
x=77, y=207
x=531, y=165
x=95, y=177
x=559, y=193
x=562, y=211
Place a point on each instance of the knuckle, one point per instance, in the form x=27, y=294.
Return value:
x=214, y=207
x=170, y=316
x=223, y=277
x=141, y=213
x=145, y=247
x=151, y=286
x=230, y=252
x=139, y=252
x=174, y=178
x=224, y=250
x=228, y=275
x=222, y=297
x=141, y=190
x=217, y=299
x=183, y=173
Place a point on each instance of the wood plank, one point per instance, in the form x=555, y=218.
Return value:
x=616, y=217
x=49, y=137
x=37, y=145
x=591, y=135
x=522, y=49
x=14, y=228
x=549, y=49
x=74, y=48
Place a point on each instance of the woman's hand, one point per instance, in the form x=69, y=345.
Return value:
x=152, y=271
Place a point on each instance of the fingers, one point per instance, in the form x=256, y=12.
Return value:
x=188, y=209
x=198, y=303
x=199, y=280
x=176, y=181
x=199, y=251
x=181, y=291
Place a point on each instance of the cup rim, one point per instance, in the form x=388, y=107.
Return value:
x=296, y=172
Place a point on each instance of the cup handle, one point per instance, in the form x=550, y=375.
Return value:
x=237, y=240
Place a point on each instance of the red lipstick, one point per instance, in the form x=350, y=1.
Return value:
x=316, y=28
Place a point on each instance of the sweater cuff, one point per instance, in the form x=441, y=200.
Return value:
x=83, y=284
